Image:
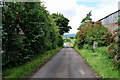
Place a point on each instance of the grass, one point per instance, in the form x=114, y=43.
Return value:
x=23, y=71
x=100, y=62
x=71, y=42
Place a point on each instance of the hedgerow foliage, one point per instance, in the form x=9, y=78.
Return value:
x=92, y=31
x=113, y=48
x=41, y=32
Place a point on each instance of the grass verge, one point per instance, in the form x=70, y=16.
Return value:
x=23, y=71
x=100, y=62
x=72, y=44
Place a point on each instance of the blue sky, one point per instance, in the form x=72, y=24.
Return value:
x=76, y=10
x=90, y=4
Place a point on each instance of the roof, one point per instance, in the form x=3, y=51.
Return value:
x=109, y=15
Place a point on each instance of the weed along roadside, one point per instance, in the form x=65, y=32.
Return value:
x=99, y=61
x=27, y=69
x=99, y=46
x=102, y=58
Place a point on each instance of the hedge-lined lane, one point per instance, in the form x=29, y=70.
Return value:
x=24, y=71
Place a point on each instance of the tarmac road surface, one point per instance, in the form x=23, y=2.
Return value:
x=67, y=63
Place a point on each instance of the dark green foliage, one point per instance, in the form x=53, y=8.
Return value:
x=60, y=41
x=41, y=32
x=71, y=37
x=62, y=22
x=25, y=70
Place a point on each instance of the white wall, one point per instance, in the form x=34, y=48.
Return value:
x=119, y=5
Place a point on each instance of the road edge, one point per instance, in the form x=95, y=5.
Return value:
x=96, y=74
x=33, y=72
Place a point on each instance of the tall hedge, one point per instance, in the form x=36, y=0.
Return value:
x=41, y=32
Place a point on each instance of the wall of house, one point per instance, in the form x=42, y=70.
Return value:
x=110, y=21
x=119, y=5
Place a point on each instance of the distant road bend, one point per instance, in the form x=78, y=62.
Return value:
x=67, y=63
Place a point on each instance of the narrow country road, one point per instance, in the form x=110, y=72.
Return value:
x=67, y=63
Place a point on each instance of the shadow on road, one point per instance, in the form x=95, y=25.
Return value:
x=68, y=47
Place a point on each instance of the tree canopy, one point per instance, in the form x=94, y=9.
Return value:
x=62, y=22
x=85, y=20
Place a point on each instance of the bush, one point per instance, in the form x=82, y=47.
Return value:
x=87, y=46
x=113, y=48
x=91, y=32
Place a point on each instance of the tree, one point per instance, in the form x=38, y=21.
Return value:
x=41, y=32
x=61, y=22
x=85, y=20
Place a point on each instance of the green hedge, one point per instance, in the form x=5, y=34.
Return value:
x=25, y=70
x=41, y=32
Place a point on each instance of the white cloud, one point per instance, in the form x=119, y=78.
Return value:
x=58, y=5
x=75, y=13
x=104, y=10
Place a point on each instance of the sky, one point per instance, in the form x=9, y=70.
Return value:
x=76, y=10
